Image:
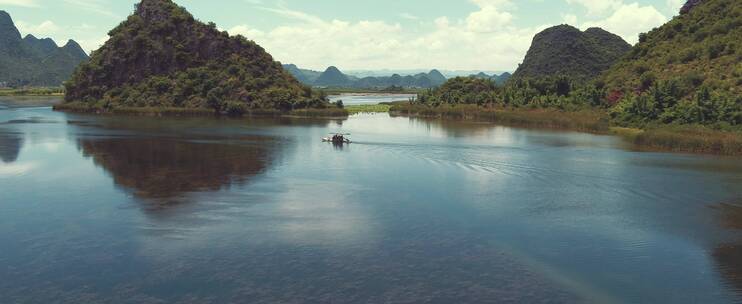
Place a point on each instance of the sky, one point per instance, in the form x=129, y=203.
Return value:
x=487, y=35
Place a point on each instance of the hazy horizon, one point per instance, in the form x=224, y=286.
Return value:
x=468, y=35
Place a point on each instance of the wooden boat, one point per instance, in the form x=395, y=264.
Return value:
x=337, y=139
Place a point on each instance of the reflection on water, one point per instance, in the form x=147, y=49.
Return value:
x=414, y=211
x=165, y=168
x=728, y=256
x=10, y=146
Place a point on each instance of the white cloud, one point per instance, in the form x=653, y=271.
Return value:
x=409, y=16
x=596, y=7
x=96, y=6
x=570, y=19
x=485, y=39
x=44, y=29
x=92, y=44
x=629, y=20
x=23, y=3
x=675, y=5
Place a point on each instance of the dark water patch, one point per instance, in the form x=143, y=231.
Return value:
x=165, y=168
x=31, y=120
x=10, y=145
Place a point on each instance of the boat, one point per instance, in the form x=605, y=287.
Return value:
x=337, y=138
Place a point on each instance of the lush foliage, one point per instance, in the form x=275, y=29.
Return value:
x=368, y=108
x=33, y=92
x=686, y=71
x=565, y=50
x=557, y=92
x=161, y=57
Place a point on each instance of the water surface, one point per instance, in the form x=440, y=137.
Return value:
x=364, y=98
x=116, y=209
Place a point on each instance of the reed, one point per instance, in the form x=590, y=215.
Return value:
x=587, y=120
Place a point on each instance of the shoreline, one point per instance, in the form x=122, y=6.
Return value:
x=663, y=138
x=328, y=113
x=666, y=138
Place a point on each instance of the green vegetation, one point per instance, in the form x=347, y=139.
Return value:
x=689, y=138
x=376, y=108
x=688, y=71
x=558, y=102
x=161, y=58
x=587, y=120
x=55, y=91
x=566, y=51
x=679, y=89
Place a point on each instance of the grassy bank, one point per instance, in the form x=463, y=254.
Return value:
x=370, y=108
x=689, y=138
x=594, y=121
x=686, y=138
x=32, y=92
x=171, y=111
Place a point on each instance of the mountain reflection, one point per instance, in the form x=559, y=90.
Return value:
x=10, y=146
x=728, y=256
x=166, y=168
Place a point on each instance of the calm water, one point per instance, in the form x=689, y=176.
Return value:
x=141, y=210
x=360, y=99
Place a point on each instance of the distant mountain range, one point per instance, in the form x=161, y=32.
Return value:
x=565, y=50
x=447, y=73
x=498, y=79
x=333, y=77
x=31, y=61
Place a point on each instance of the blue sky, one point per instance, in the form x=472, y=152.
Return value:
x=489, y=35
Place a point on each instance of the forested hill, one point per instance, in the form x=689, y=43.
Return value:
x=702, y=46
x=566, y=51
x=162, y=57
x=31, y=61
x=686, y=71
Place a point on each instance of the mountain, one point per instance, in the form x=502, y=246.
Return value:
x=34, y=62
x=498, y=79
x=333, y=77
x=565, y=50
x=702, y=43
x=162, y=57
x=689, y=70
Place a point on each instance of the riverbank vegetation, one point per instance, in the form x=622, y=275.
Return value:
x=708, y=124
x=41, y=91
x=368, y=108
x=329, y=112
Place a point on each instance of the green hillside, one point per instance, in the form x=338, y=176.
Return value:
x=161, y=57
x=566, y=51
x=686, y=71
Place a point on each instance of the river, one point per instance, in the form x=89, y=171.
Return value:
x=120, y=209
